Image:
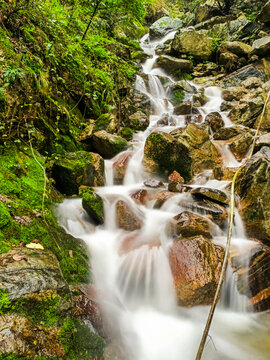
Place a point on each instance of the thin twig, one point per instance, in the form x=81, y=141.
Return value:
x=229, y=235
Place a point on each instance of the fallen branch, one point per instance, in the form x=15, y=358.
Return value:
x=228, y=242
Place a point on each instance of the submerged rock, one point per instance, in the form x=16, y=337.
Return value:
x=196, y=265
x=126, y=217
x=164, y=25
x=72, y=170
x=253, y=187
x=24, y=271
x=120, y=166
x=93, y=205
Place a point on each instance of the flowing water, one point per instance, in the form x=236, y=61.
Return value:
x=134, y=282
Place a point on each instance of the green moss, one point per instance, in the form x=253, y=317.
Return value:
x=4, y=215
x=93, y=204
x=126, y=133
x=79, y=342
x=4, y=301
x=102, y=122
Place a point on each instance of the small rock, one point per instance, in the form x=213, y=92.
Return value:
x=93, y=205
x=240, y=146
x=210, y=193
x=214, y=119
x=188, y=224
x=140, y=196
x=153, y=183
x=261, y=47
x=175, y=182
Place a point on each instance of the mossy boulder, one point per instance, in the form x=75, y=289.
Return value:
x=174, y=66
x=93, y=205
x=164, y=25
x=138, y=121
x=108, y=145
x=253, y=187
x=193, y=43
x=72, y=170
x=188, y=152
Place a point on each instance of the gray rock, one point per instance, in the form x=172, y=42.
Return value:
x=164, y=25
x=236, y=78
x=261, y=46
x=32, y=272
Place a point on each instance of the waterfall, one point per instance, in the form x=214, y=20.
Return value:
x=131, y=269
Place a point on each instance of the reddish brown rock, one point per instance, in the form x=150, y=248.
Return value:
x=188, y=224
x=120, y=165
x=126, y=218
x=175, y=182
x=134, y=241
x=140, y=196
x=196, y=265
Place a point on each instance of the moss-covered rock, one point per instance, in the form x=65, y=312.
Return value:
x=93, y=205
x=75, y=169
x=164, y=25
x=4, y=215
x=107, y=145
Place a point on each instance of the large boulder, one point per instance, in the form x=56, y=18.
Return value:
x=126, y=217
x=108, y=145
x=93, y=205
x=72, y=170
x=188, y=153
x=24, y=271
x=164, y=25
x=253, y=187
x=196, y=265
x=192, y=43
x=261, y=46
x=264, y=14
x=174, y=66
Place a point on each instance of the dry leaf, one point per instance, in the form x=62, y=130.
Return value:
x=17, y=257
x=34, y=246
x=70, y=253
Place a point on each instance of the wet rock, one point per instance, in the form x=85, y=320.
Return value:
x=210, y=193
x=206, y=69
x=228, y=133
x=214, y=120
x=140, y=196
x=189, y=152
x=253, y=187
x=175, y=182
x=196, y=265
x=265, y=122
x=126, y=218
x=188, y=224
x=138, y=121
x=264, y=14
x=193, y=43
x=72, y=170
x=261, y=47
x=85, y=307
x=24, y=271
x=193, y=119
x=240, y=146
x=164, y=121
x=93, y=205
x=216, y=212
x=224, y=173
x=120, y=166
x=184, y=108
x=185, y=86
x=236, y=78
x=253, y=275
x=237, y=47
x=161, y=197
x=252, y=83
x=174, y=66
x=108, y=145
x=153, y=183
x=20, y=336
x=135, y=241
x=164, y=25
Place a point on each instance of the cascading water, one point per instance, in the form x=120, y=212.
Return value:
x=134, y=282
